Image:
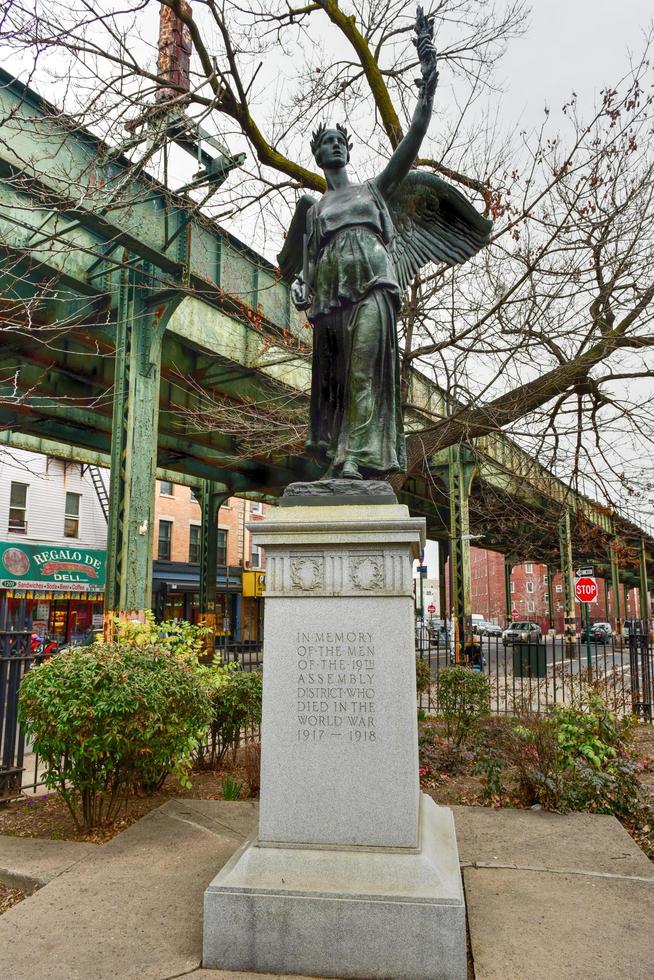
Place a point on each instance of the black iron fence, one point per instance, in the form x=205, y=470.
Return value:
x=537, y=675
x=248, y=654
x=19, y=767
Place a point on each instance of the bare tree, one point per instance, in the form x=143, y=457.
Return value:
x=546, y=335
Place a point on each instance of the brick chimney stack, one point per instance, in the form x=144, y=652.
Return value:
x=175, y=46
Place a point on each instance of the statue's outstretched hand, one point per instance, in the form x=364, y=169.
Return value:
x=424, y=42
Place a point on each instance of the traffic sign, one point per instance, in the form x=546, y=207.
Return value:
x=588, y=571
x=431, y=609
x=586, y=589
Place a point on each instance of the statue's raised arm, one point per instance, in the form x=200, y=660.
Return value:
x=400, y=163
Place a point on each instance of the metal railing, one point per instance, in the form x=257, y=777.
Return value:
x=249, y=653
x=19, y=767
x=537, y=676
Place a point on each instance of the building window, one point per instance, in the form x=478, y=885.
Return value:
x=195, y=495
x=530, y=586
x=221, y=548
x=256, y=556
x=559, y=588
x=165, y=537
x=194, y=543
x=18, y=508
x=529, y=568
x=256, y=507
x=71, y=516
x=166, y=488
x=512, y=587
x=531, y=606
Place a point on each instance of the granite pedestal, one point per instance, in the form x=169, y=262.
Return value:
x=352, y=874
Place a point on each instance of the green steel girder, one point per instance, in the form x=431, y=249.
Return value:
x=56, y=389
x=57, y=218
x=77, y=454
x=88, y=197
x=211, y=500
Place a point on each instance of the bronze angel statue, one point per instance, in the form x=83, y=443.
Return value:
x=349, y=255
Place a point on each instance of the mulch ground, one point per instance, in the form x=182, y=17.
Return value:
x=10, y=897
x=48, y=816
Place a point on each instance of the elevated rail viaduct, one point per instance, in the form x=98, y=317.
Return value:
x=132, y=324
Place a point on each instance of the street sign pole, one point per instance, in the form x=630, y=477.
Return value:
x=422, y=592
x=589, y=659
x=586, y=592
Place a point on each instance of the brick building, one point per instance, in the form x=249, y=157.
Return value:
x=528, y=587
x=176, y=569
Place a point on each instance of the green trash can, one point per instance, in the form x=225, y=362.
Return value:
x=530, y=660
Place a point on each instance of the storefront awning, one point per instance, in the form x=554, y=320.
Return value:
x=185, y=577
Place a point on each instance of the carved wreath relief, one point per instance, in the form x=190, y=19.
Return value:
x=367, y=572
x=307, y=573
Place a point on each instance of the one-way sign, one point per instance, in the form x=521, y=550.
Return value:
x=588, y=571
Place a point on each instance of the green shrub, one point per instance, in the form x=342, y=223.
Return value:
x=178, y=637
x=463, y=697
x=423, y=676
x=578, y=757
x=108, y=718
x=236, y=698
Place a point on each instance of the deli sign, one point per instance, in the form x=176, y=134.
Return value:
x=29, y=566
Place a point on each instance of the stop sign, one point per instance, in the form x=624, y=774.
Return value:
x=585, y=589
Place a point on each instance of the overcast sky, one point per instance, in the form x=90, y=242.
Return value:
x=571, y=45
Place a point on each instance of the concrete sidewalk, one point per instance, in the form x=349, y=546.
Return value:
x=548, y=896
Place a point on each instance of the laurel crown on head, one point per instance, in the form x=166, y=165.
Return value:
x=317, y=134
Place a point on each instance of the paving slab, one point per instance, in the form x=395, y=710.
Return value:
x=131, y=910
x=530, y=925
x=230, y=975
x=28, y=863
x=552, y=895
x=549, y=896
x=554, y=841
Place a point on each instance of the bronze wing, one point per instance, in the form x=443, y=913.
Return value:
x=291, y=257
x=433, y=222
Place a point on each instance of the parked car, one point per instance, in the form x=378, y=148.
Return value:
x=521, y=633
x=600, y=634
x=632, y=627
x=488, y=629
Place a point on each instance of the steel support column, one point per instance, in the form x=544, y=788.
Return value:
x=508, y=602
x=140, y=325
x=443, y=611
x=643, y=589
x=567, y=572
x=550, y=596
x=460, y=473
x=211, y=500
x=615, y=587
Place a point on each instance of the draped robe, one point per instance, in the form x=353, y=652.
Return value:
x=355, y=414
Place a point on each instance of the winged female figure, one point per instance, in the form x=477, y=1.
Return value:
x=348, y=256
